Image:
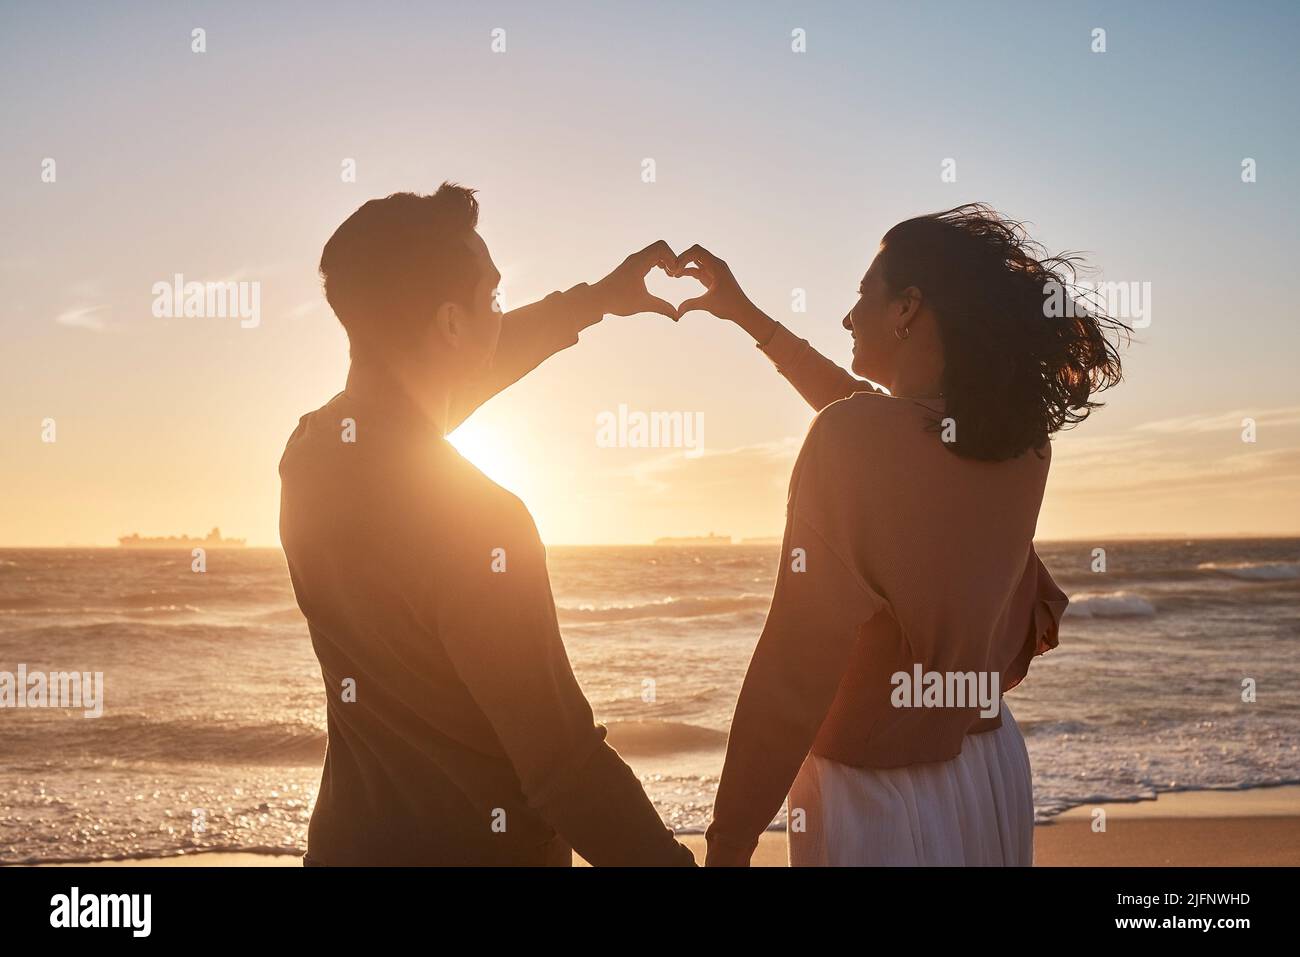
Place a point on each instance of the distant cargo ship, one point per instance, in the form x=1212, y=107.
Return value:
x=709, y=539
x=214, y=540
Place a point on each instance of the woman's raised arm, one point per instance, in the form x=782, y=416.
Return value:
x=819, y=380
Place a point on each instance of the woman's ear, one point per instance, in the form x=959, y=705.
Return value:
x=909, y=305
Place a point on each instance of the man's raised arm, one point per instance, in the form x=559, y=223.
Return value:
x=532, y=334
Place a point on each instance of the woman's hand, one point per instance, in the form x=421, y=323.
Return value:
x=722, y=294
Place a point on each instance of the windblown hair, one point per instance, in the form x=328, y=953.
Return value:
x=395, y=261
x=1014, y=373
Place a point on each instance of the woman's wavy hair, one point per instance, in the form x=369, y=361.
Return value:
x=1015, y=371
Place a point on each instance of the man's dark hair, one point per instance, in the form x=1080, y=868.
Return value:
x=395, y=260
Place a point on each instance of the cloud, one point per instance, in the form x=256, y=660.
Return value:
x=739, y=491
x=1158, y=474
x=305, y=309
x=1128, y=465
x=1223, y=421
x=1170, y=458
x=244, y=273
x=765, y=462
x=1191, y=477
x=84, y=317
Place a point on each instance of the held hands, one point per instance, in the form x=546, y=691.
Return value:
x=720, y=855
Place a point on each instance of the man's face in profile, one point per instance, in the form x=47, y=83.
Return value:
x=478, y=323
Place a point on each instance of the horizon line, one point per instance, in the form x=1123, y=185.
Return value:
x=747, y=541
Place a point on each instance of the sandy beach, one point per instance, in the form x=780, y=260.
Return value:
x=1258, y=827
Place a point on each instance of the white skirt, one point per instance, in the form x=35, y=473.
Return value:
x=974, y=810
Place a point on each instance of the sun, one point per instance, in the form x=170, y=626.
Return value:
x=493, y=456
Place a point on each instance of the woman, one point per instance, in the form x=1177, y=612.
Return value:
x=909, y=595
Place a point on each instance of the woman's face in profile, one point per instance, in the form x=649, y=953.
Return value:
x=873, y=335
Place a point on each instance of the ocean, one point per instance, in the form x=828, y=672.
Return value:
x=213, y=724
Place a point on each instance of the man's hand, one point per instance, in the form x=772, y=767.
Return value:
x=623, y=292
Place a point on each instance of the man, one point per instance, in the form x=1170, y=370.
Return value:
x=457, y=732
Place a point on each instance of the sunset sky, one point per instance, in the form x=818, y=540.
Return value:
x=226, y=165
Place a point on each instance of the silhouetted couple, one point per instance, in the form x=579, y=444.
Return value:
x=458, y=734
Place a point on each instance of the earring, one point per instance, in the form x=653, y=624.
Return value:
x=902, y=332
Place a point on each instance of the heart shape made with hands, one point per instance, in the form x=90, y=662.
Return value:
x=672, y=289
